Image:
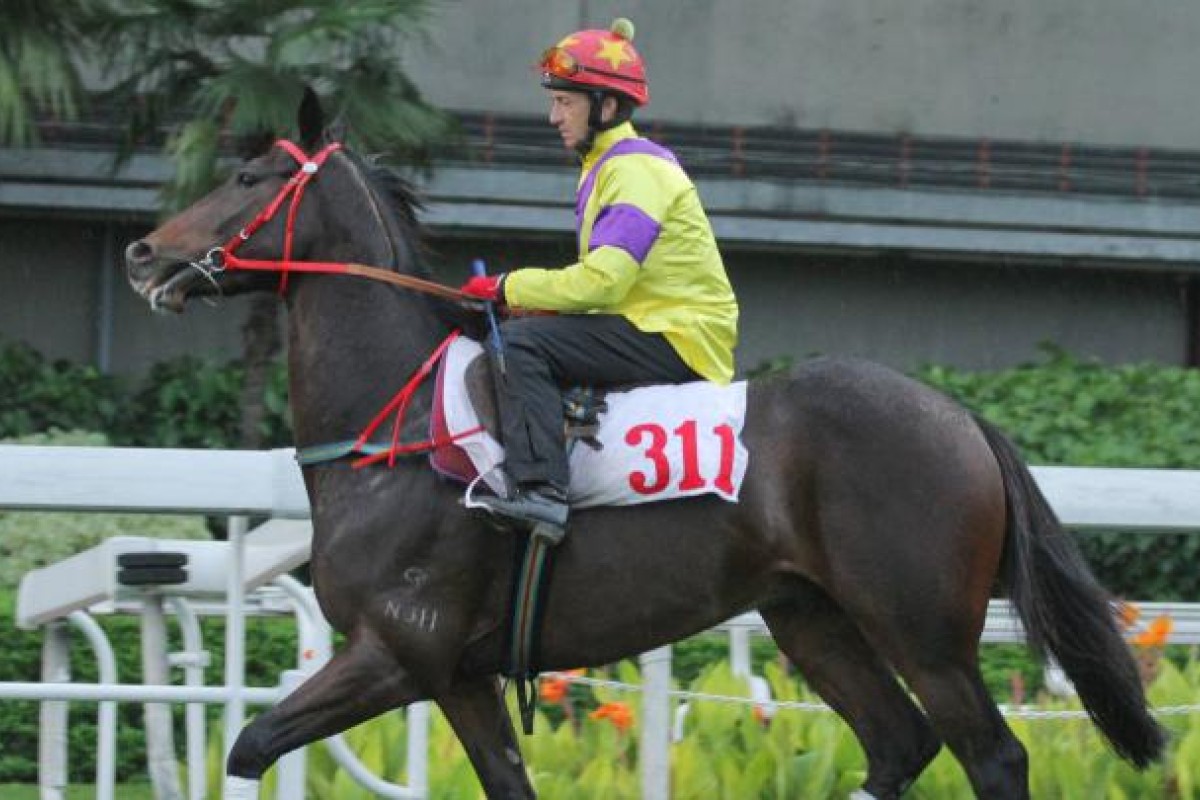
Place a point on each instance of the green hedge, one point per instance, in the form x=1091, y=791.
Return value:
x=186, y=402
x=1065, y=410
x=37, y=395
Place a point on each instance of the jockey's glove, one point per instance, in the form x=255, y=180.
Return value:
x=489, y=288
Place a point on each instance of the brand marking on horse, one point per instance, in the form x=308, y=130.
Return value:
x=416, y=577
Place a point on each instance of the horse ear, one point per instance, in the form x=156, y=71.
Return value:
x=311, y=119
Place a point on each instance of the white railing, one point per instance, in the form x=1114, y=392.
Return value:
x=220, y=576
x=268, y=483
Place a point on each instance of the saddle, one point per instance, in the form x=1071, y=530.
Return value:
x=582, y=405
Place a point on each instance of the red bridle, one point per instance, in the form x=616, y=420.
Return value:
x=221, y=258
x=294, y=188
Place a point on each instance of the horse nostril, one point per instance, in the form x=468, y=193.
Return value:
x=139, y=253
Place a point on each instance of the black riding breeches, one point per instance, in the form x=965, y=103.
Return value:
x=546, y=354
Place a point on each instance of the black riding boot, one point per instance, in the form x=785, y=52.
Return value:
x=543, y=502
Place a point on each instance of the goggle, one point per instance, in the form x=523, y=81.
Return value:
x=559, y=63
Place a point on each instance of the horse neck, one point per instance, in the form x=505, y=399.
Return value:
x=353, y=342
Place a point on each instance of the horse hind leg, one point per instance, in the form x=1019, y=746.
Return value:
x=360, y=682
x=965, y=716
x=475, y=709
x=839, y=664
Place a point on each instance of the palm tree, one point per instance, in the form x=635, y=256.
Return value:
x=219, y=72
x=222, y=71
x=38, y=72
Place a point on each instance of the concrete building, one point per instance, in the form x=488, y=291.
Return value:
x=946, y=181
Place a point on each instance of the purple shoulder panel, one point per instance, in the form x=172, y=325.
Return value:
x=625, y=226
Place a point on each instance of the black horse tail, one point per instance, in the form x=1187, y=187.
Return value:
x=1067, y=613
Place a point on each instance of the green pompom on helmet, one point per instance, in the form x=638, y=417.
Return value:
x=623, y=27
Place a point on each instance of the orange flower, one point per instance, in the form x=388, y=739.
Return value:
x=554, y=689
x=1156, y=633
x=619, y=714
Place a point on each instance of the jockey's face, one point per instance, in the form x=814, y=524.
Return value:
x=569, y=113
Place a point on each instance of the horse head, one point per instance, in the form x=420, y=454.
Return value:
x=185, y=257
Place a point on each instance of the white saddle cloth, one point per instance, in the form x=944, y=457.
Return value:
x=659, y=442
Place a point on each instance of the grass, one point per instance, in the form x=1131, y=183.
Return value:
x=29, y=791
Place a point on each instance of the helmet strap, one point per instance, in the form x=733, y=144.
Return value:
x=596, y=122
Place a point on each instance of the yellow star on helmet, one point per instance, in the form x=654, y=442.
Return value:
x=614, y=50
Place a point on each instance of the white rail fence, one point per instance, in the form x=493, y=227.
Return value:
x=245, y=483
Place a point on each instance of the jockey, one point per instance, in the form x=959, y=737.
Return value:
x=647, y=301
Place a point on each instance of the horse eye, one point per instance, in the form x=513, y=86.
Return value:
x=246, y=179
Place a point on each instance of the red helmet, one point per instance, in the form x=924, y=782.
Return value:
x=595, y=59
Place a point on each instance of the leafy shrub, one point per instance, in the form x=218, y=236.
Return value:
x=37, y=395
x=184, y=402
x=1071, y=411
x=190, y=402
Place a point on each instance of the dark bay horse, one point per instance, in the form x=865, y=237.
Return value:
x=875, y=520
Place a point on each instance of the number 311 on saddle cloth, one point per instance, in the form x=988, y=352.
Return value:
x=658, y=442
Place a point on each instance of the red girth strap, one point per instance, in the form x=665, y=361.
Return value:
x=399, y=404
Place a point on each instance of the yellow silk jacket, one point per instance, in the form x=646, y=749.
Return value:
x=646, y=251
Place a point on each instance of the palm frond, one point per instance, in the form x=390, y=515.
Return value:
x=37, y=71
x=195, y=152
x=249, y=97
x=217, y=69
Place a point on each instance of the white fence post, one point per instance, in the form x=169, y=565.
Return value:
x=235, y=634
x=290, y=769
x=193, y=659
x=418, y=748
x=106, y=714
x=655, y=747
x=52, y=744
x=739, y=650
x=161, y=760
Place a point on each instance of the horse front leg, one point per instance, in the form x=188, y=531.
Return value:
x=475, y=709
x=360, y=682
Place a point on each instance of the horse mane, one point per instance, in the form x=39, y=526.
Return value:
x=402, y=199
